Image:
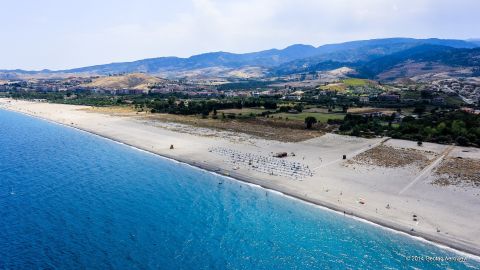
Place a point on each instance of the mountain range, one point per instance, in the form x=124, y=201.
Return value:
x=371, y=58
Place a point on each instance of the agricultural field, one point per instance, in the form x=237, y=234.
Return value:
x=348, y=84
x=321, y=117
x=356, y=82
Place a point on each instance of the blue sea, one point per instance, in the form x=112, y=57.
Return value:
x=72, y=200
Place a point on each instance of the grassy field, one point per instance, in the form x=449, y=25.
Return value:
x=320, y=113
x=371, y=110
x=321, y=117
x=244, y=111
x=338, y=87
x=453, y=100
x=316, y=109
x=356, y=82
x=345, y=84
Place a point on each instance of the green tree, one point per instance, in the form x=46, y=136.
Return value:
x=171, y=100
x=298, y=107
x=420, y=109
x=458, y=128
x=441, y=127
x=310, y=121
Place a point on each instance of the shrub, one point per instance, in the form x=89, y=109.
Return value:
x=310, y=121
x=462, y=141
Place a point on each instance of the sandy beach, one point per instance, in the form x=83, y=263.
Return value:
x=393, y=183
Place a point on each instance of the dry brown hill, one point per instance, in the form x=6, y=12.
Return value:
x=139, y=81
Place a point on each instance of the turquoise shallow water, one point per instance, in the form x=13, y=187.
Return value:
x=71, y=200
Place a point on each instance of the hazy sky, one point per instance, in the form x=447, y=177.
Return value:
x=58, y=34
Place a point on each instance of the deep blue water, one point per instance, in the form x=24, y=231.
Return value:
x=71, y=200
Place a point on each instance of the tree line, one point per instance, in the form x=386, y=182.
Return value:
x=444, y=127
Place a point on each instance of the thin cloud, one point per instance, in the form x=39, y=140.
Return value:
x=59, y=34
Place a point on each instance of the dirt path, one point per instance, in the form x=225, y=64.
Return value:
x=428, y=170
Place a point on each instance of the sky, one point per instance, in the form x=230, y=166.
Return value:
x=62, y=34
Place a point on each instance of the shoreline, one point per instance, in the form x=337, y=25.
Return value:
x=454, y=246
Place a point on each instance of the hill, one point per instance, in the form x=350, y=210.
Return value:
x=356, y=53
x=298, y=55
x=421, y=60
x=203, y=61
x=138, y=81
x=424, y=60
x=293, y=59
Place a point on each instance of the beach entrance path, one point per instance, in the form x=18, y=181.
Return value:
x=427, y=170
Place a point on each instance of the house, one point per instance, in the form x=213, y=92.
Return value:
x=470, y=110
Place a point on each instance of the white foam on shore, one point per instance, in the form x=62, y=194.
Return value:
x=418, y=238
x=245, y=182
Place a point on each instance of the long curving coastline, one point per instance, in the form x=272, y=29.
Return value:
x=333, y=185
